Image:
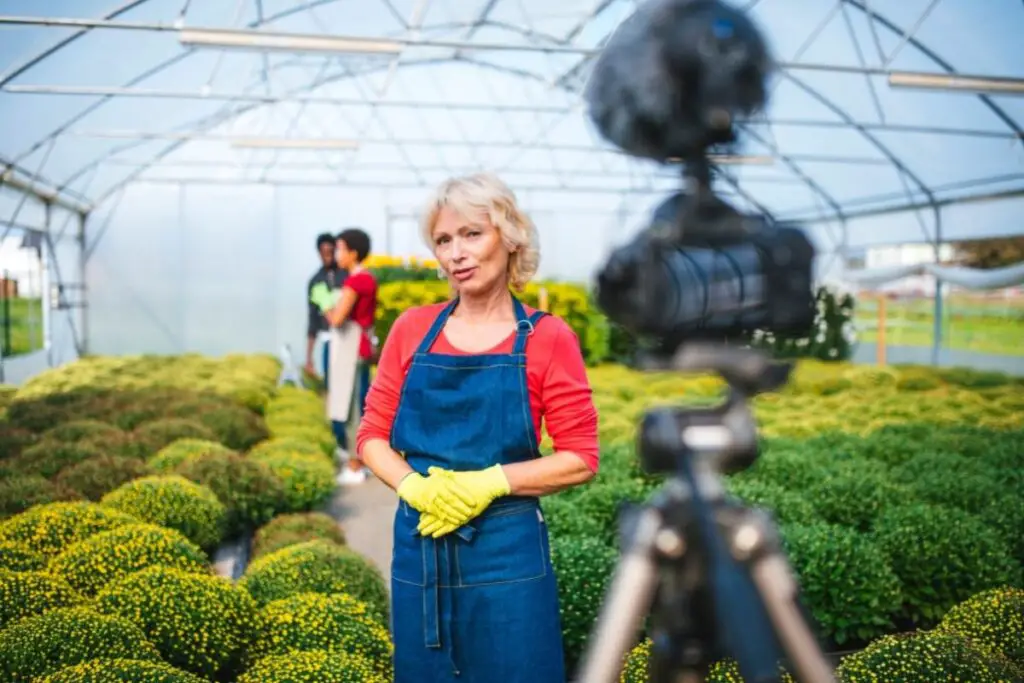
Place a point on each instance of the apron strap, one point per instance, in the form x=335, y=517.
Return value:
x=524, y=329
x=436, y=328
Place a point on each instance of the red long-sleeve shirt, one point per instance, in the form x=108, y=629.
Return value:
x=560, y=394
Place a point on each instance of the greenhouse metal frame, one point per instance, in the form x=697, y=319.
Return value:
x=181, y=184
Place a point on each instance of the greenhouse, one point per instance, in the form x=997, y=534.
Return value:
x=167, y=172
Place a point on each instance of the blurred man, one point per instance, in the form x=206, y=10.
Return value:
x=331, y=274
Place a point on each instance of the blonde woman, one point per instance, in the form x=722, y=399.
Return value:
x=453, y=424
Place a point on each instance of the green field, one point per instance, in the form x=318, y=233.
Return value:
x=968, y=324
x=26, y=326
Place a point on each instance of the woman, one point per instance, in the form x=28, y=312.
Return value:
x=352, y=344
x=452, y=423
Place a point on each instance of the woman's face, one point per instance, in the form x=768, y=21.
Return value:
x=345, y=257
x=471, y=252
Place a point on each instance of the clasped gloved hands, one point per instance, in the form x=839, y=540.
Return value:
x=483, y=487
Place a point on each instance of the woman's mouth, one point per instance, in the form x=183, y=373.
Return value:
x=463, y=274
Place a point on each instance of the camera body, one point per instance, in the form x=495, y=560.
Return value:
x=668, y=86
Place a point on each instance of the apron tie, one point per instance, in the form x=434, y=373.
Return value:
x=433, y=569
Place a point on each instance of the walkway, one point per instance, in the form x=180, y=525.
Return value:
x=366, y=513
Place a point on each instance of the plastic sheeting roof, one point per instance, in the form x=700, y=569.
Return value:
x=94, y=95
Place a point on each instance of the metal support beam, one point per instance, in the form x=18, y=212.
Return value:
x=937, y=313
x=69, y=22
x=129, y=134
x=43, y=190
x=665, y=174
x=83, y=260
x=161, y=93
x=281, y=182
x=1017, y=193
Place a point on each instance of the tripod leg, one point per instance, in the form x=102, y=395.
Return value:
x=629, y=597
x=771, y=575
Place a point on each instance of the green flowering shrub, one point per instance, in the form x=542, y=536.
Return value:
x=48, y=529
x=1005, y=514
x=329, y=623
x=564, y=519
x=154, y=435
x=584, y=567
x=728, y=671
x=854, y=494
x=17, y=558
x=101, y=474
x=320, y=434
x=992, y=621
x=297, y=527
x=308, y=480
x=601, y=501
x=316, y=567
x=121, y=671
x=794, y=470
x=636, y=668
x=249, y=490
x=942, y=556
x=925, y=463
x=19, y=492
x=314, y=666
x=14, y=439
x=286, y=446
x=91, y=564
x=234, y=426
x=199, y=623
x=922, y=657
x=47, y=457
x=174, y=502
x=25, y=594
x=785, y=506
x=77, y=430
x=44, y=644
x=845, y=580
x=181, y=450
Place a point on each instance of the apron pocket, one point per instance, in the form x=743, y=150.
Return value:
x=508, y=547
x=408, y=556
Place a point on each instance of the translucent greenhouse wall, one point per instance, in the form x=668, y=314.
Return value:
x=219, y=269
x=62, y=314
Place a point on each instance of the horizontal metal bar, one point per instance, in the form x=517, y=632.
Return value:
x=319, y=166
x=872, y=201
x=283, y=182
x=428, y=142
x=158, y=93
x=36, y=186
x=917, y=206
x=400, y=185
x=68, y=22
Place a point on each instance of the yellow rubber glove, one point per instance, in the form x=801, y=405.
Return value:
x=437, y=496
x=483, y=485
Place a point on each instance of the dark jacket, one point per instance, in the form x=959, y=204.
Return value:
x=335, y=278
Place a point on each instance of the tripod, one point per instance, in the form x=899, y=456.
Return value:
x=709, y=571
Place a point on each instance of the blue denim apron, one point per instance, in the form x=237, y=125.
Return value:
x=479, y=605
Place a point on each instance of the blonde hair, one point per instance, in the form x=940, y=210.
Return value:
x=486, y=194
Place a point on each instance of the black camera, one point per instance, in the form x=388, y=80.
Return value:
x=668, y=86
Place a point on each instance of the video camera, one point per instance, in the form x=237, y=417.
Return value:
x=669, y=86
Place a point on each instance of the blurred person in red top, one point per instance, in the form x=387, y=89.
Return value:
x=357, y=302
x=453, y=424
